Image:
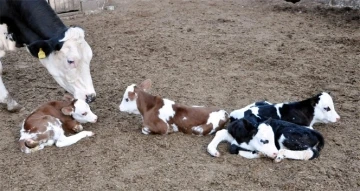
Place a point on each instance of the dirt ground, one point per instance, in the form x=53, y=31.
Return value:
x=215, y=53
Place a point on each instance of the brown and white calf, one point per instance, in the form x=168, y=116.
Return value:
x=163, y=116
x=48, y=123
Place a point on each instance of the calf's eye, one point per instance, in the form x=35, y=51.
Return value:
x=264, y=141
x=84, y=114
x=127, y=99
x=70, y=61
x=327, y=108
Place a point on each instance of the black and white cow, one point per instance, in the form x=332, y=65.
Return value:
x=272, y=138
x=62, y=50
x=317, y=109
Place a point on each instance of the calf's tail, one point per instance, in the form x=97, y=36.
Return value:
x=319, y=146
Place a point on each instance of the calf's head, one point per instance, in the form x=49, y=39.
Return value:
x=324, y=110
x=263, y=139
x=67, y=58
x=80, y=111
x=129, y=102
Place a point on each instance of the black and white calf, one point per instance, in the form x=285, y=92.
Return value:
x=272, y=138
x=317, y=109
x=62, y=50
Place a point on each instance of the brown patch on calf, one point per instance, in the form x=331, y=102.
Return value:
x=149, y=107
x=37, y=122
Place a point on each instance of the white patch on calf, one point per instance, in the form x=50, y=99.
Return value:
x=255, y=111
x=278, y=106
x=198, y=129
x=175, y=128
x=184, y=118
x=324, y=111
x=239, y=114
x=167, y=110
x=214, y=119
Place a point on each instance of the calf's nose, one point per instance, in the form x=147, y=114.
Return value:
x=90, y=98
x=338, y=119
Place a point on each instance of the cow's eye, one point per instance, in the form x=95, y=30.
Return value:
x=84, y=114
x=264, y=141
x=327, y=108
x=127, y=99
x=70, y=62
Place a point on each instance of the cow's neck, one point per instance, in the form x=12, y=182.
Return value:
x=30, y=21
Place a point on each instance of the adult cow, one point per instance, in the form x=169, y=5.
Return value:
x=62, y=50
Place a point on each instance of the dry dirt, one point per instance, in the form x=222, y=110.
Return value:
x=215, y=53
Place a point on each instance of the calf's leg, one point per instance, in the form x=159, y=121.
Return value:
x=297, y=155
x=12, y=105
x=64, y=141
x=220, y=136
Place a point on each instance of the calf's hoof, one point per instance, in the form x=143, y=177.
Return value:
x=88, y=133
x=78, y=128
x=145, y=131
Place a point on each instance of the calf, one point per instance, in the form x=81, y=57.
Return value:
x=317, y=109
x=272, y=138
x=46, y=125
x=163, y=116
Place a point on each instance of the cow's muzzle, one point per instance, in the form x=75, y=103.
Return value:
x=90, y=98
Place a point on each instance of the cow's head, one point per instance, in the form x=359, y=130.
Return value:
x=80, y=111
x=67, y=58
x=264, y=139
x=324, y=110
x=129, y=100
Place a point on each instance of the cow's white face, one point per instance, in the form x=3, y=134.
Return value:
x=82, y=112
x=70, y=66
x=128, y=103
x=324, y=110
x=264, y=141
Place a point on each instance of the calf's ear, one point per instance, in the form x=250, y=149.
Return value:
x=145, y=85
x=43, y=48
x=68, y=110
x=267, y=122
x=68, y=97
x=248, y=125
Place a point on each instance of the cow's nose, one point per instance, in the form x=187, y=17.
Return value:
x=338, y=119
x=95, y=120
x=90, y=98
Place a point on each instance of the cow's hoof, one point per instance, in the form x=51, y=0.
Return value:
x=308, y=154
x=15, y=108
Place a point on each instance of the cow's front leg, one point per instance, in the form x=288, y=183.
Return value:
x=5, y=97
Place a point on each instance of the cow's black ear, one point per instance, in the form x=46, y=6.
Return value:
x=43, y=48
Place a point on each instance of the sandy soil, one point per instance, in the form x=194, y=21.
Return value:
x=215, y=53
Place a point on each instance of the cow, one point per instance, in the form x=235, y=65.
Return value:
x=163, y=116
x=317, y=109
x=272, y=138
x=62, y=50
x=48, y=124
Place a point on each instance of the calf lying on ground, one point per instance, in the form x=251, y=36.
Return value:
x=317, y=109
x=46, y=125
x=273, y=138
x=163, y=116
